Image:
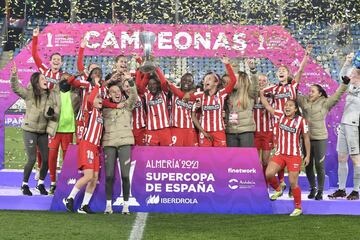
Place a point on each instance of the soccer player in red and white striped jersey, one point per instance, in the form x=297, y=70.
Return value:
x=52, y=74
x=282, y=93
x=88, y=153
x=157, y=120
x=211, y=125
x=182, y=127
x=288, y=129
x=287, y=90
x=86, y=87
x=287, y=87
x=264, y=126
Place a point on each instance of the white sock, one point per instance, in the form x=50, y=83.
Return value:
x=126, y=203
x=356, y=178
x=108, y=203
x=40, y=182
x=53, y=183
x=87, y=198
x=24, y=183
x=343, y=170
x=73, y=192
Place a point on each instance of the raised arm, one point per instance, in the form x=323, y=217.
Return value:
x=94, y=92
x=254, y=86
x=162, y=79
x=78, y=83
x=141, y=81
x=80, y=60
x=334, y=99
x=15, y=85
x=228, y=89
x=345, y=70
x=303, y=63
x=108, y=104
x=34, y=50
x=130, y=102
x=266, y=104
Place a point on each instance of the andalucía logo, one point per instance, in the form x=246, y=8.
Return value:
x=241, y=184
x=233, y=183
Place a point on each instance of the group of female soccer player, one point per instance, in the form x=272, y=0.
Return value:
x=129, y=107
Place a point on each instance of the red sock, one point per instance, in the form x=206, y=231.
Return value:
x=297, y=196
x=274, y=183
x=281, y=174
x=53, y=153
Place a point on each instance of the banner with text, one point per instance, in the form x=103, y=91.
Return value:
x=13, y=120
x=181, y=179
x=272, y=42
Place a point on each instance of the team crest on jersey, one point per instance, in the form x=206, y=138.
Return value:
x=100, y=120
x=295, y=122
x=138, y=104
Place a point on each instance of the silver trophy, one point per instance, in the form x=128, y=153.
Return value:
x=147, y=40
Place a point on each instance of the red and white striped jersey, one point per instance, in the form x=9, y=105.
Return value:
x=94, y=127
x=212, y=110
x=50, y=76
x=282, y=94
x=287, y=132
x=263, y=119
x=211, y=106
x=181, y=113
x=157, y=111
x=85, y=88
x=94, y=121
x=138, y=115
x=44, y=70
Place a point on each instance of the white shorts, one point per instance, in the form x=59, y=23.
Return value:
x=348, y=140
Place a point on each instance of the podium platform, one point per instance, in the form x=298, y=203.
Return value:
x=11, y=198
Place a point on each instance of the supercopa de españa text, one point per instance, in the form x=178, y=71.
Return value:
x=184, y=182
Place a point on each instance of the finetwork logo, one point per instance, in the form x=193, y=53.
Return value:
x=71, y=181
x=153, y=199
